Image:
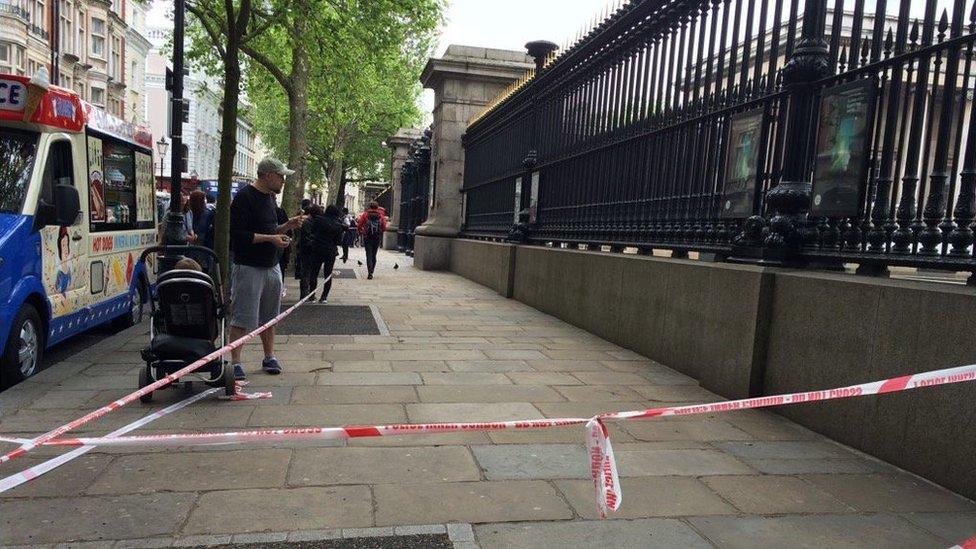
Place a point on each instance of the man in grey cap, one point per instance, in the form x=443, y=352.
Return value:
x=257, y=240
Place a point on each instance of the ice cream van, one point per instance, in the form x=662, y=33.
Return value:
x=77, y=206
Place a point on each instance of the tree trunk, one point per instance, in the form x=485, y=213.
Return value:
x=228, y=150
x=341, y=194
x=335, y=174
x=297, y=124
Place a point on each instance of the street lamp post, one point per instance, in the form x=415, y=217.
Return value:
x=175, y=231
x=161, y=147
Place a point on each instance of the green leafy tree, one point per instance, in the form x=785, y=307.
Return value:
x=348, y=77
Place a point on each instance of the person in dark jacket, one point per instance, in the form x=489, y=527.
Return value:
x=325, y=237
x=304, y=245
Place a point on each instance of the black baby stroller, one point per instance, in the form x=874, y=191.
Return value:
x=186, y=319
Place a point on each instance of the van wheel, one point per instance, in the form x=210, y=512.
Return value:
x=134, y=314
x=25, y=346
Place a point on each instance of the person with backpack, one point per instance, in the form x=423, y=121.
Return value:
x=371, y=225
x=326, y=235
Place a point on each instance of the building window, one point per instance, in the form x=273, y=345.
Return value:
x=5, y=54
x=116, y=61
x=37, y=18
x=98, y=37
x=66, y=32
x=98, y=97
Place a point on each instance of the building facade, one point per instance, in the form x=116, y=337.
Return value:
x=94, y=47
x=202, y=130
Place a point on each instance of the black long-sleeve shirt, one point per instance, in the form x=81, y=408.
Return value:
x=253, y=212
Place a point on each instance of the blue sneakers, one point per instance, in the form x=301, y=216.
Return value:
x=239, y=371
x=271, y=366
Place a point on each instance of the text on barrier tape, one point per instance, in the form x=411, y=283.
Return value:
x=603, y=466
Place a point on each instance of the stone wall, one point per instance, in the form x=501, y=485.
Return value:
x=743, y=330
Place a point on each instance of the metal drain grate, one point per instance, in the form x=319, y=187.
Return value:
x=343, y=273
x=315, y=319
x=417, y=541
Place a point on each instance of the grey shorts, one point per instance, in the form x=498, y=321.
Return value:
x=255, y=295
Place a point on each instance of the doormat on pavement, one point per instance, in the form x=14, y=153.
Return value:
x=420, y=541
x=315, y=319
x=344, y=273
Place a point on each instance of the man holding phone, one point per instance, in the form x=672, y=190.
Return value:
x=257, y=240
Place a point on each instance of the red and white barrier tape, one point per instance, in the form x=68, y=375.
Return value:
x=31, y=473
x=968, y=544
x=239, y=394
x=603, y=464
x=131, y=397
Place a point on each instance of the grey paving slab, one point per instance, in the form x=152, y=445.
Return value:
x=814, y=532
x=381, y=465
x=786, y=450
x=599, y=393
x=489, y=393
x=543, y=378
x=493, y=366
x=196, y=471
x=552, y=365
x=473, y=502
x=283, y=509
x=774, y=494
x=495, y=411
x=898, y=493
x=362, y=366
x=368, y=378
x=647, y=533
x=649, y=497
x=320, y=394
x=635, y=463
x=465, y=378
x=70, y=479
x=814, y=466
x=950, y=527
x=300, y=415
x=533, y=461
x=58, y=398
x=47, y=520
x=669, y=429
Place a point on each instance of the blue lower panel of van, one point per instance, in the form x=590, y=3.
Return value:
x=68, y=325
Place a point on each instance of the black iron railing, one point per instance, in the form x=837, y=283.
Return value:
x=744, y=128
x=414, y=193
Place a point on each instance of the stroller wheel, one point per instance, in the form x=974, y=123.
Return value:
x=145, y=380
x=230, y=385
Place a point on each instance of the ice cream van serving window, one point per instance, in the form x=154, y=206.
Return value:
x=113, y=185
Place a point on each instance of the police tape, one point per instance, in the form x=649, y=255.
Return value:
x=35, y=471
x=968, y=544
x=603, y=467
x=158, y=384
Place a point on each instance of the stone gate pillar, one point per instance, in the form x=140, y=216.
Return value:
x=400, y=145
x=464, y=80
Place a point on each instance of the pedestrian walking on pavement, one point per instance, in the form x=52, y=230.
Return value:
x=371, y=225
x=299, y=255
x=304, y=243
x=326, y=231
x=349, y=238
x=257, y=240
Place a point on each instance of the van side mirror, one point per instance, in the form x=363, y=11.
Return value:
x=67, y=204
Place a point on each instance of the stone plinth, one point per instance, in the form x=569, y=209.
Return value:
x=464, y=80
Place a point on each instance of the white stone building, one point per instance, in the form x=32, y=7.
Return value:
x=201, y=134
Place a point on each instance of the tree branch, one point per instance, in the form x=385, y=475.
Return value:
x=209, y=28
x=271, y=66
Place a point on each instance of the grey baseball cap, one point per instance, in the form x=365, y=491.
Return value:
x=273, y=165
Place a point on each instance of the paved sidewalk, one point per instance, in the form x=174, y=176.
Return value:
x=456, y=352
